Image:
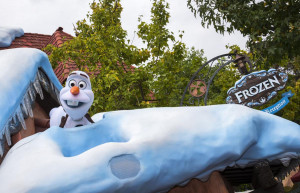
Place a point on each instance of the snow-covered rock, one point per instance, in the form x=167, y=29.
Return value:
x=147, y=150
x=8, y=34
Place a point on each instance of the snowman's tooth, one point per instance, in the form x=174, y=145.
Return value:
x=72, y=103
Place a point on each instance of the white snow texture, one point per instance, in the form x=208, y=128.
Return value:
x=8, y=34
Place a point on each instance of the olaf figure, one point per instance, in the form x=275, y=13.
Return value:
x=76, y=98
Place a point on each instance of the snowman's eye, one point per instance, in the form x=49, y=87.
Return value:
x=82, y=84
x=72, y=83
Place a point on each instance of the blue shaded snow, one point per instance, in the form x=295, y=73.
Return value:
x=8, y=34
x=147, y=150
x=75, y=141
x=18, y=69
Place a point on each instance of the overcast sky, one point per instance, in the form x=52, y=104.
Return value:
x=45, y=16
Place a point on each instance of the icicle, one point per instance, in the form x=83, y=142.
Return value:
x=52, y=90
x=13, y=129
x=296, y=162
x=280, y=175
x=14, y=117
x=39, y=76
x=38, y=87
x=1, y=143
x=7, y=135
x=285, y=171
x=52, y=86
x=285, y=161
x=23, y=109
x=279, y=178
x=21, y=118
x=1, y=148
x=44, y=81
x=27, y=104
x=31, y=92
x=57, y=94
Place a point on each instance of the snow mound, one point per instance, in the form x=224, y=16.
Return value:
x=8, y=34
x=147, y=150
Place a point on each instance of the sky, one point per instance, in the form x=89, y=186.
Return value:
x=45, y=16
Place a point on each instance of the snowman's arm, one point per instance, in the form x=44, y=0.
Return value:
x=55, y=116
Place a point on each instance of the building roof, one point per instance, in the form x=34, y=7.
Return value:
x=63, y=70
x=59, y=37
x=29, y=40
x=40, y=41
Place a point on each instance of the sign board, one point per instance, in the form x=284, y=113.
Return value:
x=257, y=88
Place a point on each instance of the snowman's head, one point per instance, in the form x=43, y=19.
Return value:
x=77, y=96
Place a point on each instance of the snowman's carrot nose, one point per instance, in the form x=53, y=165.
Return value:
x=75, y=90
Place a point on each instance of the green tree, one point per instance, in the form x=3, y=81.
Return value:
x=170, y=63
x=271, y=26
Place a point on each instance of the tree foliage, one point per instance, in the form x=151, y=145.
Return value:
x=170, y=63
x=271, y=26
x=101, y=41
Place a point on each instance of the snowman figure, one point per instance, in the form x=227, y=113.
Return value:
x=76, y=98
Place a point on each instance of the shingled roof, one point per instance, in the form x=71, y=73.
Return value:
x=59, y=37
x=63, y=69
x=29, y=40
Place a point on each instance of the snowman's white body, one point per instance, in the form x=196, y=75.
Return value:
x=57, y=113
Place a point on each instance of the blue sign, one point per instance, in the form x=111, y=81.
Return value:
x=280, y=104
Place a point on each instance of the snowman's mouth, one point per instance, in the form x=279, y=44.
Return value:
x=73, y=104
